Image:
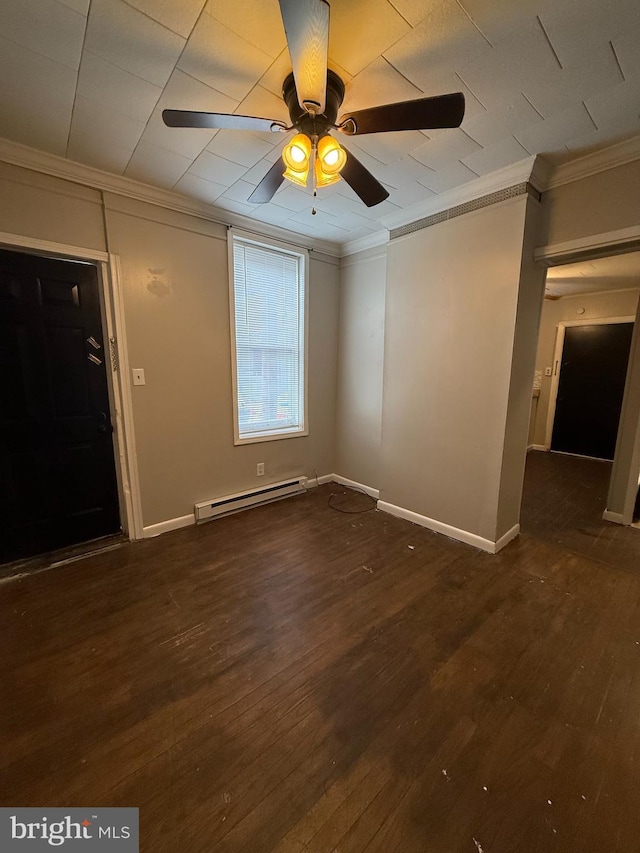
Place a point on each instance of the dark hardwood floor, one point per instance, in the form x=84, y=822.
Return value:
x=295, y=679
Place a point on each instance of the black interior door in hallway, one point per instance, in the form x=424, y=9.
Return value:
x=57, y=470
x=591, y=387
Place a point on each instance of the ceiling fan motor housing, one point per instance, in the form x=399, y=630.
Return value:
x=306, y=122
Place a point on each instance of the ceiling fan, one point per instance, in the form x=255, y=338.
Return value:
x=313, y=95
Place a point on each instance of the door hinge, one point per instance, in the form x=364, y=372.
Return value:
x=113, y=352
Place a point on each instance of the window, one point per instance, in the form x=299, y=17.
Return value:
x=268, y=323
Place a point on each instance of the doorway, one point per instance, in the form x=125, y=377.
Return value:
x=58, y=484
x=591, y=369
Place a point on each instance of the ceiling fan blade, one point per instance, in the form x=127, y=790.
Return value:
x=420, y=114
x=190, y=118
x=306, y=24
x=362, y=182
x=267, y=187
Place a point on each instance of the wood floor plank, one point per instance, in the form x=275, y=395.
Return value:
x=297, y=680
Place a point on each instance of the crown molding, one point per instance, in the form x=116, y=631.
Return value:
x=516, y=173
x=370, y=241
x=618, y=154
x=17, y=154
x=592, y=246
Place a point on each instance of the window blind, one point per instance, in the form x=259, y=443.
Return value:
x=269, y=313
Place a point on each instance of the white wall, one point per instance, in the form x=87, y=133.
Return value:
x=360, y=361
x=453, y=301
x=176, y=300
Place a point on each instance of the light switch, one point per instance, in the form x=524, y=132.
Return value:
x=138, y=376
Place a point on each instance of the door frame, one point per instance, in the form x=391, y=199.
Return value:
x=109, y=273
x=557, y=363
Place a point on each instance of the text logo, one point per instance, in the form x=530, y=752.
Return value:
x=38, y=829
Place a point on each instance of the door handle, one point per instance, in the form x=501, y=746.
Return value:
x=104, y=424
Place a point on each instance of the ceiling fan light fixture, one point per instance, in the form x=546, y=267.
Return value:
x=324, y=179
x=297, y=157
x=331, y=155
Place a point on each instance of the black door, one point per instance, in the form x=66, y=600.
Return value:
x=57, y=468
x=590, y=390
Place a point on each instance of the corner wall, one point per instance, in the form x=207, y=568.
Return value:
x=459, y=343
x=360, y=362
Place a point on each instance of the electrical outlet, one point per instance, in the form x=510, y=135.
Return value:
x=260, y=469
x=547, y=371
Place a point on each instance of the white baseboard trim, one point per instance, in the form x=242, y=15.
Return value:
x=508, y=537
x=615, y=517
x=312, y=482
x=452, y=532
x=538, y=447
x=343, y=481
x=166, y=526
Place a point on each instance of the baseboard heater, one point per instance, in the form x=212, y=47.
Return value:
x=244, y=500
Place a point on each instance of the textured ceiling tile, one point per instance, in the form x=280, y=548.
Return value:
x=407, y=169
x=612, y=108
x=192, y=185
x=496, y=21
x=496, y=156
x=258, y=23
x=46, y=27
x=216, y=169
x=627, y=48
x=257, y=172
x=222, y=59
x=239, y=191
x=351, y=143
x=575, y=27
x=177, y=15
x=409, y=194
x=132, y=41
x=36, y=98
x=240, y=147
x=552, y=133
x=188, y=142
x=232, y=206
x=492, y=82
x=185, y=93
x=498, y=77
x=415, y=11
x=315, y=221
x=264, y=104
x=390, y=147
x=378, y=84
x=293, y=198
x=595, y=140
x=102, y=127
x=274, y=76
x=444, y=41
x=156, y=165
x=452, y=176
x=361, y=30
x=80, y=6
x=553, y=89
x=490, y=127
x=105, y=83
x=271, y=213
x=83, y=149
x=448, y=146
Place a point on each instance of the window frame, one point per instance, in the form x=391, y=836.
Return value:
x=233, y=235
